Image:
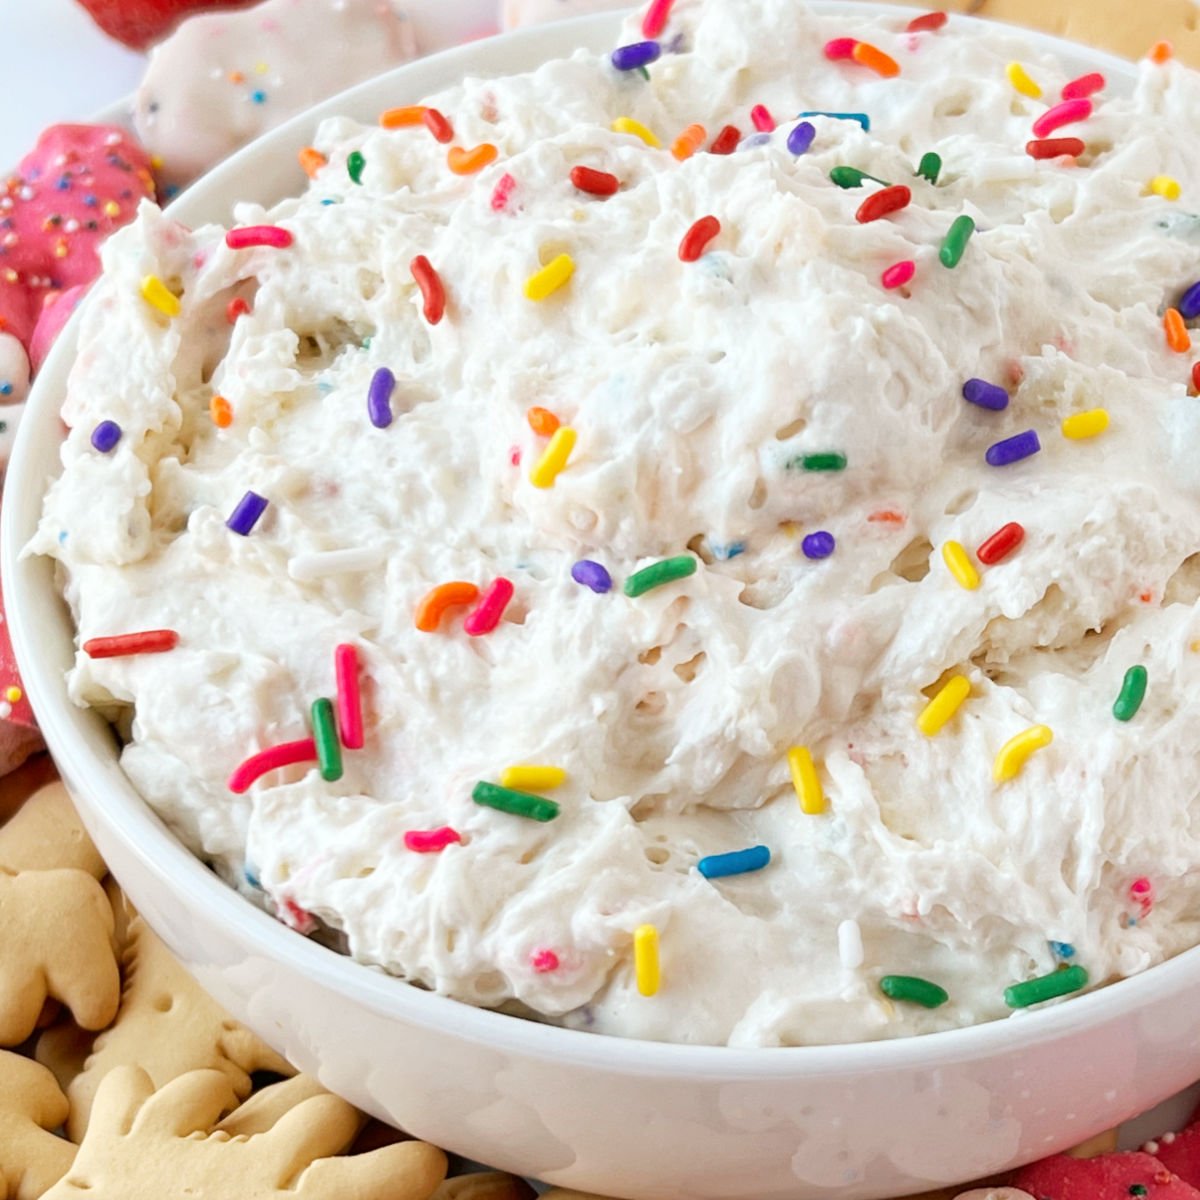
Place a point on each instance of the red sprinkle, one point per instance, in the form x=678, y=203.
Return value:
x=431, y=841
x=430, y=283
x=928, y=23
x=438, y=125
x=153, y=641
x=840, y=48
x=485, y=616
x=502, y=191
x=1196, y=376
x=1084, y=86
x=543, y=961
x=595, y=183
x=1055, y=147
x=237, y=307
x=258, y=235
x=655, y=20
x=1001, y=544
x=284, y=755
x=349, y=697
x=889, y=200
x=898, y=274
x=762, y=119
x=697, y=238
x=297, y=918
x=726, y=141
x=1066, y=113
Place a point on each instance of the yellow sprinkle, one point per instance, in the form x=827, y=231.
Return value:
x=554, y=457
x=112, y=208
x=944, y=705
x=1166, y=187
x=526, y=778
x=629, y=125
x=1195, y=647
x=1019, y=78
x=1014, y=753
x=13, y=694
x=156, y=162
x=960, y=565
x=550, y=278
x=1085, y=424
x=645, y=959
x=261, y=68
x=157, y=295
x=804, y=779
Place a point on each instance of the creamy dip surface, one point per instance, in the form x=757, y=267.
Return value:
x=765, y=405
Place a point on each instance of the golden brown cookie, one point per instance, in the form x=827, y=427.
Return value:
x=46, y=833
x=32, y=1158
x=166, y=1145
x=484, y=1185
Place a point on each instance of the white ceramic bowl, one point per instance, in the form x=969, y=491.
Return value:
x=628, y=1118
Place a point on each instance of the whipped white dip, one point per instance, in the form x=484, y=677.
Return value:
x=695, y=390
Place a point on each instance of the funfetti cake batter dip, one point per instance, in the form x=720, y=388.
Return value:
x=696, y=544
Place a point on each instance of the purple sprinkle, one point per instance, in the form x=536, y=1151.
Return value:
x=243, y=518
x=379, y=396
x=593, y=575
x=1189, y=305
x=1013, y=449
x=106, y=435
x=755, y=139
x=985, y=395
x=801, y=138
x=639, y=54
x=818, y=545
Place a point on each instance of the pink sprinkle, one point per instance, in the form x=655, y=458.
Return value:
x=258, y=235
x=898, y=274
x=1066, y=113
x=1141, y=892
x=502, y=191
x=349, y=698
x=271, y=759
x=543, y=961
x=431, y=841
x=839, y=48
x=485, y=616
x=1084, y=86
x=655, y=20
x=762, y=119
x=514, y=455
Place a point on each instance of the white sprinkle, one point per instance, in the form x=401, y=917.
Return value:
x=1150, y=1148
x=850, y=947
x=5, y=710
x=1167, y=1138
x=306, y=567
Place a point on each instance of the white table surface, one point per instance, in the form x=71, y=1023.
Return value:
x=58, y=66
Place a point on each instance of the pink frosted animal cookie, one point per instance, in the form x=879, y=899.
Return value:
x=1108, y=1177
x=80, y=183
x=222, y=79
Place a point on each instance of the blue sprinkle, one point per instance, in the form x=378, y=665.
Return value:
x=171, y=191
x=1013, y=449
x=730, y=551
x=6, y=388
x=818, y=545
x=326, y=203
x=249, y=508
x=259, y=97
x=639, y=54
x=801, y=138
x=105, y=436
x=861, y=118
x=592, y=575
x=985, y=395
x=252, y=877
x=63, y=183
x=62, y=536
x=1062, y=949
x=90, y=200
x=755, y=139
x=736, y=862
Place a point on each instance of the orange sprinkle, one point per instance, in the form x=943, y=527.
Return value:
x=887, y=516
x=221, y=412
x=1162, y=52
x=442, y=597
x=312, y=160
x=400, y=118
x=689, y=141
x=1146, y=597
x=236, y=77
x=467, y=162
x=542, y=421
x=867, y=55
x=1177, y=334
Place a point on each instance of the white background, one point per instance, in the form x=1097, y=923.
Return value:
x=58, y=66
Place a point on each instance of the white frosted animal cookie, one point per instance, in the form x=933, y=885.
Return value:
x=514, y=14
x=224, y=78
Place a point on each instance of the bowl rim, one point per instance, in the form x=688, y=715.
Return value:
x=142, y=833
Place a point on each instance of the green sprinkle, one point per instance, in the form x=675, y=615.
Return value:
x=852, y=177
x=1133, y=692
x=325, y=734
x=644, y=74
x=823, y=462
x=1045, y=987
x=931, y=167
x=914, y=990
x=1138, y=1189
x=955, y=242
x=656, y=574
x=520, y=804
x=355, y=164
